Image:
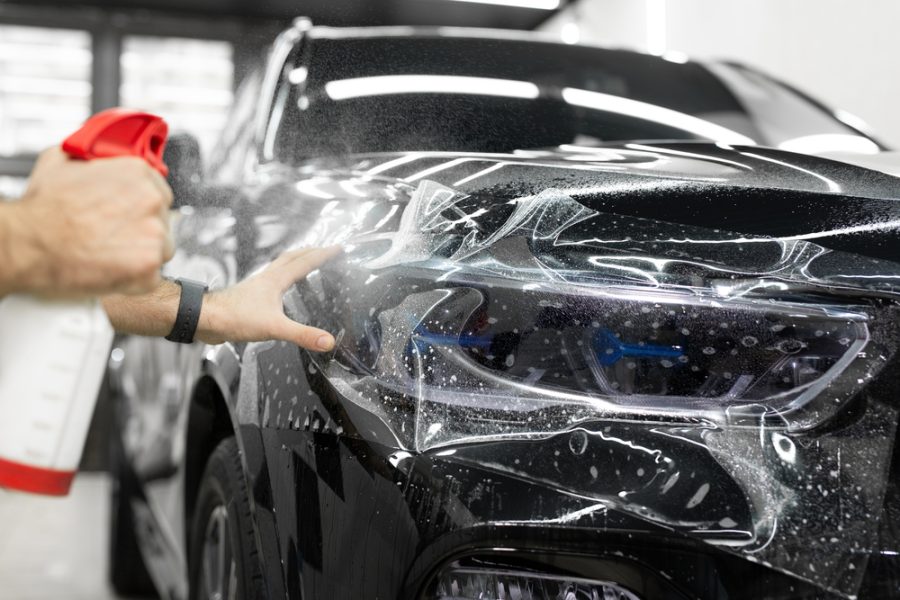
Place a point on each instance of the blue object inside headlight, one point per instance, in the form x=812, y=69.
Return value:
x=610, y=349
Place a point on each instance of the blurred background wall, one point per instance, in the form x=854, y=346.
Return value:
x=845, y=53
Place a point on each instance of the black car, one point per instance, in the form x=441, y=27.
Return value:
x=601, y=334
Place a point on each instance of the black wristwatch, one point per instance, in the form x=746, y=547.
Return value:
x=188, y=311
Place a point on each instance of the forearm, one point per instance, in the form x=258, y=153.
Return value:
x=151, y=314
x=154, y=314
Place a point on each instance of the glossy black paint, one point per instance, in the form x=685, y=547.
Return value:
x=344, y=508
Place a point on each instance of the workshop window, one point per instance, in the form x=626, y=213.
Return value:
x=45, y=87
x=12, y=188
x=187, y=82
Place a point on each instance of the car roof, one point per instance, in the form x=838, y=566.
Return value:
x=482, y=33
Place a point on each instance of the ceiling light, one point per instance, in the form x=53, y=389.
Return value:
x=382, y=85
x=655, y=114
x=830, y=142
x=535, y=4
x=570, y=33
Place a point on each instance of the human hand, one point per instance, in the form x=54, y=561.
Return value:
x=91, y=227
x=253, y=310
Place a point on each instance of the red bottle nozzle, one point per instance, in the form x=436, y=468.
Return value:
x=120, y=132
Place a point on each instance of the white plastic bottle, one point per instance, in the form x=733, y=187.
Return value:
x=53, y=356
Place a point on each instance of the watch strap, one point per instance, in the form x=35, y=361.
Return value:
x=188, y=311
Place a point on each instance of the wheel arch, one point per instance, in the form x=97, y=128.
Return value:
x=213, y=415
x=209, y=422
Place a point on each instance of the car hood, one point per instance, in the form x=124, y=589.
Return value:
x=636, y=167
x=702, y=192
x=886, y=162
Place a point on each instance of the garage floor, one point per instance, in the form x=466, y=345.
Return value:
x=56, y=547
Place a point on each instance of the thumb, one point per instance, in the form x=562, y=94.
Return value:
x=311, y=338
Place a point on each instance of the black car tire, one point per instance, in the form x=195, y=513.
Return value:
x=223, y=506
x=127, y=572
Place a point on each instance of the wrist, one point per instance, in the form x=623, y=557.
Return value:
x=212, y=323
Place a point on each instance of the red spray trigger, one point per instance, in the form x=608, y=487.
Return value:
x=120, y=132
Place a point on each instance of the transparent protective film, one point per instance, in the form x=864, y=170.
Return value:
x=722, y=385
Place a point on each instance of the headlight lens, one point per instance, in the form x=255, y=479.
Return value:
x=625, y=347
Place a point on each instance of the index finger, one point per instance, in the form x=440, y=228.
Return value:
x=48, y=160
x=294, y=265
x=161, y=184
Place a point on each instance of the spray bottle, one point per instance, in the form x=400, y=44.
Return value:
x=53, y=353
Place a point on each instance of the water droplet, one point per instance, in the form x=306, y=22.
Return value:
x=698, y=496
x=789, y=346
x=578, y=442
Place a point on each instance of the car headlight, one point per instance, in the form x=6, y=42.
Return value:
x=487, y=322
x=505, y=353
x=478, y=355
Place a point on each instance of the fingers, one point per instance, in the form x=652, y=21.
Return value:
x=160, y=183
x=51, y=156
x=48, y=160
x=304, y=336
x=168, y=248
x=151, y=192
x=169, y=242
x=294, y=265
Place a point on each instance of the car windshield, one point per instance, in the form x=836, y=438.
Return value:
x=435, y=92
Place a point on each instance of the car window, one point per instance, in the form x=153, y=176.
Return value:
x=786, y=119
x=230, y=152
x=428, y=92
